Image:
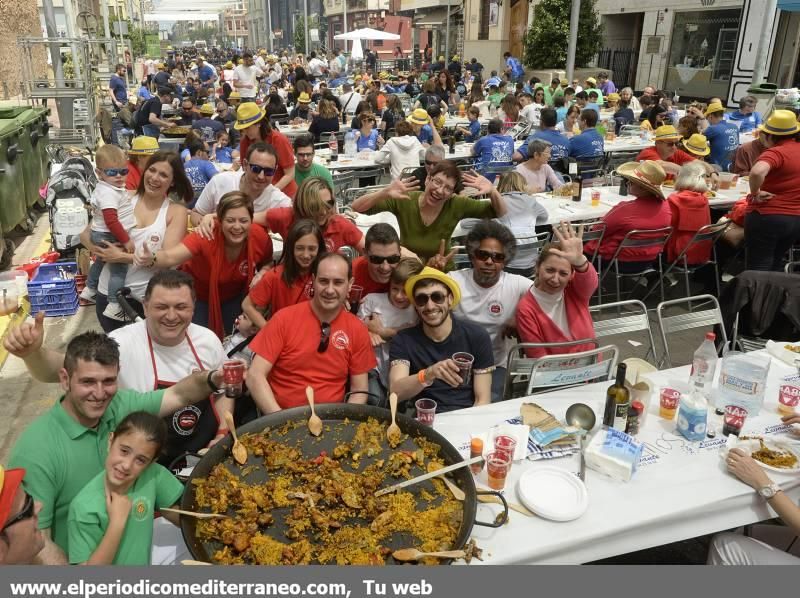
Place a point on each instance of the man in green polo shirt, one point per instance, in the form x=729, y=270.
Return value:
x=306, y=167
x=66, y=447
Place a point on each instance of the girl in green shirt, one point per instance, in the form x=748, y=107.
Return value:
x=111, y=520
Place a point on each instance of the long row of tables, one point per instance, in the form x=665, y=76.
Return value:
x=681, y=490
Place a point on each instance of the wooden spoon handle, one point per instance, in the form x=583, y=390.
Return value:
x=310, y=397
x=193, y=513
x=231, y=425
x=393, y=405
x=191, y=562
x=446, y=554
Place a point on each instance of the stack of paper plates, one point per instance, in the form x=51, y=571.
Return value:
x=553, y=493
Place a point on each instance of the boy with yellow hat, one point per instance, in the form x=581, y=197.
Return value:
x=665, y=151
x=142, y=148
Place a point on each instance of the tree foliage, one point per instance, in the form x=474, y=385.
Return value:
x=547, y=39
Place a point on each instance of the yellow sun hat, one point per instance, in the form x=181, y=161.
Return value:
x=781, y=122
x=697, y=144
x=667, y=133
x=143, y=146
x=248, y=114
x=648, y=174
x=419, y=117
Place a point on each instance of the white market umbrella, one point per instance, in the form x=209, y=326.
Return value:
x=366, y=33
x=356, y=53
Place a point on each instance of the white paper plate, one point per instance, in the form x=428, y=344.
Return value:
x=772, y=443
x=553, y=493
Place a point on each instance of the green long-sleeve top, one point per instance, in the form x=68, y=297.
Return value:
x=424, y=240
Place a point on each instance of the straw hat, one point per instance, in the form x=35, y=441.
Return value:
x=591, y=80
x=714, y=107
x=229, y=65
x=161, y=66
x=613, y=97
x=667, y=133
x=143, y=146
x=647, y=174
x=781, y=122
x=304, y=98
x=428, y=273
x=235, y=95
x=10, y=481
x=697, y=144
x=419, y=117
x=564, y=81
x=248, y=114
x=262, y=52
x=206, y=109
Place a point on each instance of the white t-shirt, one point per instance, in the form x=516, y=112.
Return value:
x=247, y=74
x=172, y=363
x=351, y=100
x=553, y=307
x=106, y=196
x=137, y=277
x=315, y=66
x=334, y=66
x=224, y=182
x=491, y=308
x=391, y=317
x=532, y=113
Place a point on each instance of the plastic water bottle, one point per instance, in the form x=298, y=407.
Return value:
x=704, y=366
x=742, y=380
x=350, y=144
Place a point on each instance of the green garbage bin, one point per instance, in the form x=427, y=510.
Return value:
x=31, y=165
x=13, y=201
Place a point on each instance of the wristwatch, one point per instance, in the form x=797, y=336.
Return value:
x=769, y=490
x=214, y=388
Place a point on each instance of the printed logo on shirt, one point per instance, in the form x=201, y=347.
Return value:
x=185, y=420
x=243, y=268
x=340, y=340
x=308, y=290
x=141, y=508
x=495, y=309
x=155, y=239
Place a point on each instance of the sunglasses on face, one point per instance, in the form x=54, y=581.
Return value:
x=379, y=259
x=484, y=255
x=115, y=171
x=25, y=513
x=421, y=299
x=256, y=170
x=324, y=337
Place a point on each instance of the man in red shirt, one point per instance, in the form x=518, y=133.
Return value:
x=372, y=271
x=665, y=151
x=316, y=343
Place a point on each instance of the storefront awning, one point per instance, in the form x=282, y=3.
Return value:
x=789, y=5
x=434, y=18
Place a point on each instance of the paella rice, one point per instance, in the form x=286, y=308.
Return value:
x=323, y=509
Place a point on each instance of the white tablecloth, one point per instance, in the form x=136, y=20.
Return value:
x=681, y=490
x=292, y=131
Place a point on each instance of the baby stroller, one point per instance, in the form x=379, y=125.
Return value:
x=67, y=202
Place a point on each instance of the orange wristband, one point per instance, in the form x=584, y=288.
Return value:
x=421, y=378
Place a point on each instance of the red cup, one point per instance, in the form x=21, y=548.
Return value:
x=668, y=402
x=788, y=396
x=464, y=362
x=233, y=375
x=426, y=411
x=735, y=415
x=506, y=445
x=497, y=468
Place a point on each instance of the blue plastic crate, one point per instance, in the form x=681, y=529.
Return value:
x=51, y=274
x=66, y=308
x=50, y=289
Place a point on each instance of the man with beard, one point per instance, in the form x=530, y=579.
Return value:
x=67, y=446
x=489, y=296
x=316, y=343
x=155, y=353
x=421, y=357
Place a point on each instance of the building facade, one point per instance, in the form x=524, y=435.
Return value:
x=375, y=14
x=234, y=25
x=493, y=27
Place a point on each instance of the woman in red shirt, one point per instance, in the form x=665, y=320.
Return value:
x=690, y=212
x=556, y=309
x=772, y=223
x=254, y=125
x=647, y=211
x=222, y=267
x=314, y=201
x=290, y=282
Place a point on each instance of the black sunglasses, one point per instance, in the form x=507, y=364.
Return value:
x=421, y=299
x=25, y=513
x=324, y=338
x=256, y=170
x=484, y=255
x=379, y=259
x=115, y=171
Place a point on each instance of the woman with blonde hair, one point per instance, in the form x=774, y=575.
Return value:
x=509, y=111
x=524, y=213
x=690, y=212
x=314, y=201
